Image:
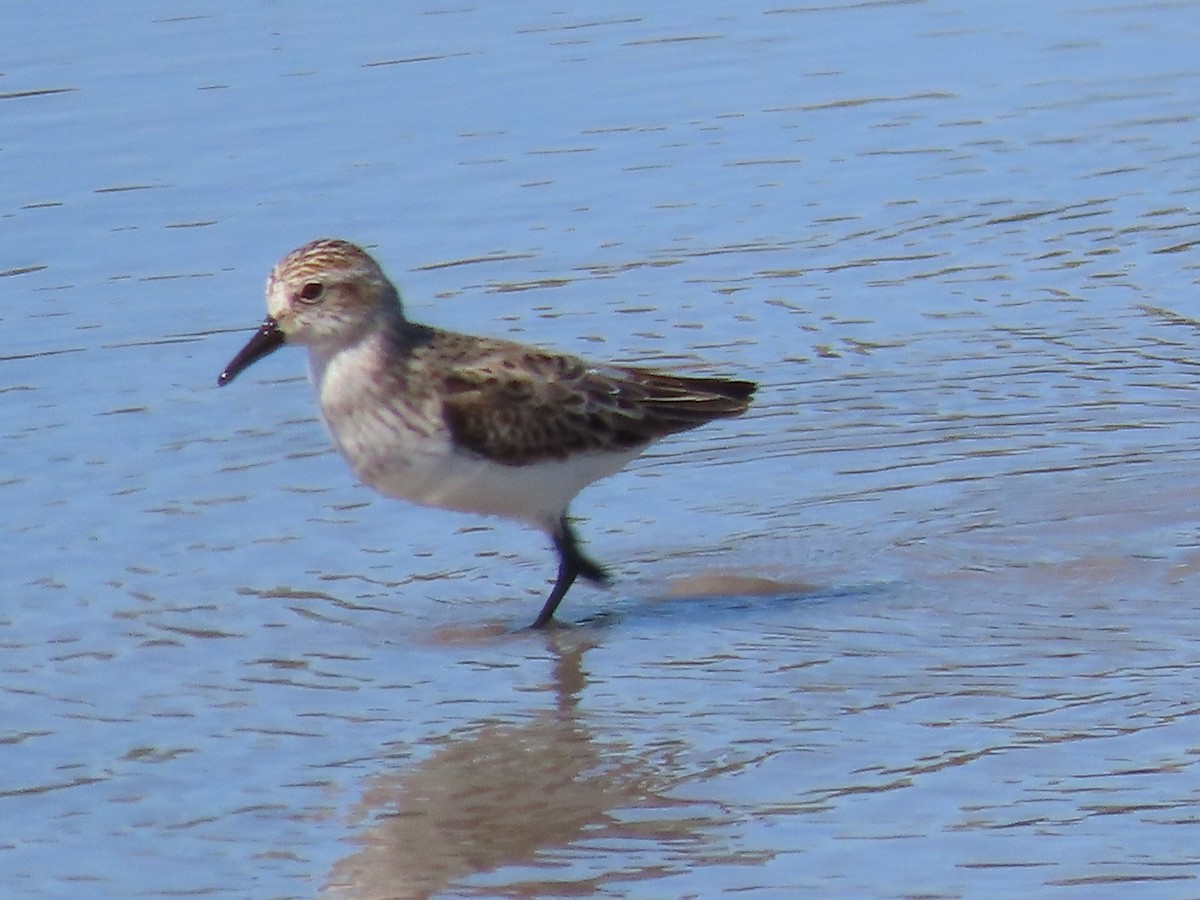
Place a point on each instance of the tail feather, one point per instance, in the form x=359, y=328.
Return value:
x=679, y=402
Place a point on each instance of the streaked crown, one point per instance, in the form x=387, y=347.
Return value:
x=327, y=291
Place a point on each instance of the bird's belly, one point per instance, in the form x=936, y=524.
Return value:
x=425, y=467
x=538, y=493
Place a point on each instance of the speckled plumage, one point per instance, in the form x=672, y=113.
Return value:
x=468, y=423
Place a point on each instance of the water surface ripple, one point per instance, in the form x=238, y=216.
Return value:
x=925, y=623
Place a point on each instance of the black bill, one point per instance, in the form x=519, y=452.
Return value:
x=266, y=340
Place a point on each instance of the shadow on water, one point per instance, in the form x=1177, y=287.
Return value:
x=716, y=599
x=710, y=598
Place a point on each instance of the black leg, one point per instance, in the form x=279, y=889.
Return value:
x=571, y=564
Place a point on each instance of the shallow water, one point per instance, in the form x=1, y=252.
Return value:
x=923, y=623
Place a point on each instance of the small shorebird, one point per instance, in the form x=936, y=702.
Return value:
x=468, y=423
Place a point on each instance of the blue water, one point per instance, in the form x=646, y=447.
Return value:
x=923, y=624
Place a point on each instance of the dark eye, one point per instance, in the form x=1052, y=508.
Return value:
x=312, y=292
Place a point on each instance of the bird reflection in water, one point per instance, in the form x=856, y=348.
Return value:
x=510, y=794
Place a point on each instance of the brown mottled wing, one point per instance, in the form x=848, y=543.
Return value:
x=532, y=406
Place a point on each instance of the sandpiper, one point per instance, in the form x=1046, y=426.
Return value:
x=467, y=423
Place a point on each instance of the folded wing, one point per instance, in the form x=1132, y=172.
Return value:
x=546, y=406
